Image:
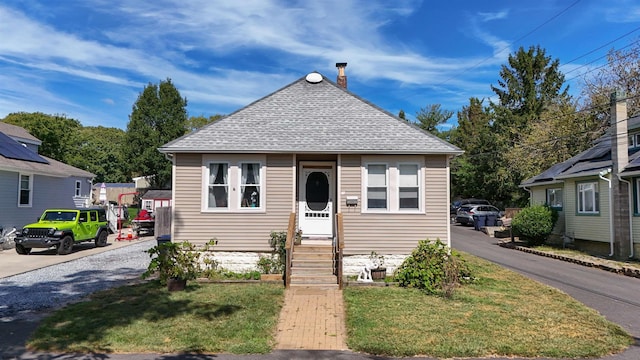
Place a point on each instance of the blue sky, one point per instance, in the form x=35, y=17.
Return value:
x=90, y=59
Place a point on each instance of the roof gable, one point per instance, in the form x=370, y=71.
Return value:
x=311, y=117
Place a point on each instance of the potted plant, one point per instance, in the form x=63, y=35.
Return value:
x=175, y=263
x=380, y=272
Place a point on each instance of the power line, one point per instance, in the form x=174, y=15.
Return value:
x=511, y=43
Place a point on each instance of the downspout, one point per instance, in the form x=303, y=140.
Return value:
x=601, y=175
x=529, y=191
x=630, y=214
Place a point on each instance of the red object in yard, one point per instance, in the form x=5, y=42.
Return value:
x=143, y=215
x=130, y=234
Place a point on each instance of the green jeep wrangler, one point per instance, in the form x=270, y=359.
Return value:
x=63, y=228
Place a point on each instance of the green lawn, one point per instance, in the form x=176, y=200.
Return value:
x=207, y=318
x=501, y=313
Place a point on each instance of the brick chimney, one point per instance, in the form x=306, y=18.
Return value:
x=342, y=78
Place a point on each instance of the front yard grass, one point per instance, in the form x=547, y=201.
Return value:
x=500, y=314
x=205, y=318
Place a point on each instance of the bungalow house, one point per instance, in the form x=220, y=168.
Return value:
x=31, y=183
x=312, y=149
x=597, y=192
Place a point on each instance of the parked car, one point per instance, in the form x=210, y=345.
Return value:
x=466, y=212
x=62, y=228
x=453, y=209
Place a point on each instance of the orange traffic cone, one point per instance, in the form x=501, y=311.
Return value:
x=130, y=234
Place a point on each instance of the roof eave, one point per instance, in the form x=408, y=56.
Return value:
x=390, y=152
x=541, y=183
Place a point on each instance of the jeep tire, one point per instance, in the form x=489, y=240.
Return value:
x=65, y=246
x=22, y=250
x=101, y=239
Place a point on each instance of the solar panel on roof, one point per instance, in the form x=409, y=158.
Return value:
x=12, y=149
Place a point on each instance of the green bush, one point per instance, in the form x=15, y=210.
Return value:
x=434, y=268
x=534, y=223
x=275, y=263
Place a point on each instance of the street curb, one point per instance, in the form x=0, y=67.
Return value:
x=622, y=270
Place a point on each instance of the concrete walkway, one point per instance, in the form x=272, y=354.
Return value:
x=312, y=319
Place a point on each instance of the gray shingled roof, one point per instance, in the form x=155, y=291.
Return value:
x=18, y=132
x=589, y=162
x=306, y=117
x=53, y=168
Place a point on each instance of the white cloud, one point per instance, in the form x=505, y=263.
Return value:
x=489, y=16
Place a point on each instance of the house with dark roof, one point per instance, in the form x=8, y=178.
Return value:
x=597, y=191
x=31, y=183
x=315, y=150
x=153, y=199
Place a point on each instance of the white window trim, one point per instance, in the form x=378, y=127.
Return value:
x=595, y=192
x=420, y=189
x=205, y=191
x=365, y=188
x=147, y=201
x=234, y=165
x=30, y=204
x=238, y=202
x=78, y=189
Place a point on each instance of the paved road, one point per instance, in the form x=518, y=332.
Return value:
x=615, y=296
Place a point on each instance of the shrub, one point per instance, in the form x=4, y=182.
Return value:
x=275, y=263
x=434, y=268
x=535, y=223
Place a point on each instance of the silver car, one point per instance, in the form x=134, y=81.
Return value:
x=465, y=213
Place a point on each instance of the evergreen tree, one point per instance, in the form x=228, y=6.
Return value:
x=159, y=115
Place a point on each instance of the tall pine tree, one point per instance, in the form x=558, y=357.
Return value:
x=159, y=115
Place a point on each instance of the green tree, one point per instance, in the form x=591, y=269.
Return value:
x=196, y=122
x=530, y=86
x=59, y=134
x=473, y=135
x=159, y=115
x=401, y=115
x=428, y=118
x=622, y=73
x=100, y=152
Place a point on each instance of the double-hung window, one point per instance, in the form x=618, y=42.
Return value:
x=408, y=191
x=588, y=198
x=377, y=186
x=218, y=196
x=250, y=185
x=554, y=198
x=24, y=190
x=78, y=188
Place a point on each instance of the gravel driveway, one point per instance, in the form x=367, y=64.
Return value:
x=56, y=285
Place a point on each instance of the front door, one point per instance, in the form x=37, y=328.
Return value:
x=316, y=194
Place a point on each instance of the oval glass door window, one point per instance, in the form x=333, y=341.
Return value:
x=317, y=191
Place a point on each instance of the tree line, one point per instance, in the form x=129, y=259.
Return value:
x=533, y=124
x=114, y=155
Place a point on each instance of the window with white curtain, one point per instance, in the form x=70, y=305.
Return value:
x=588, y=198
x=250, y=185
x=377, y=186
x=409, y=189
x=218, y=186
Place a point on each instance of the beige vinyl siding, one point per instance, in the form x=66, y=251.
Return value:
x=587, y=227
x=389, y=232
x=235, y=231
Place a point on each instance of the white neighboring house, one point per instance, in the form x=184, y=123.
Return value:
x=31, y=183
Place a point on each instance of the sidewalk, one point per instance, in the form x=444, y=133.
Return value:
x=312, y=319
